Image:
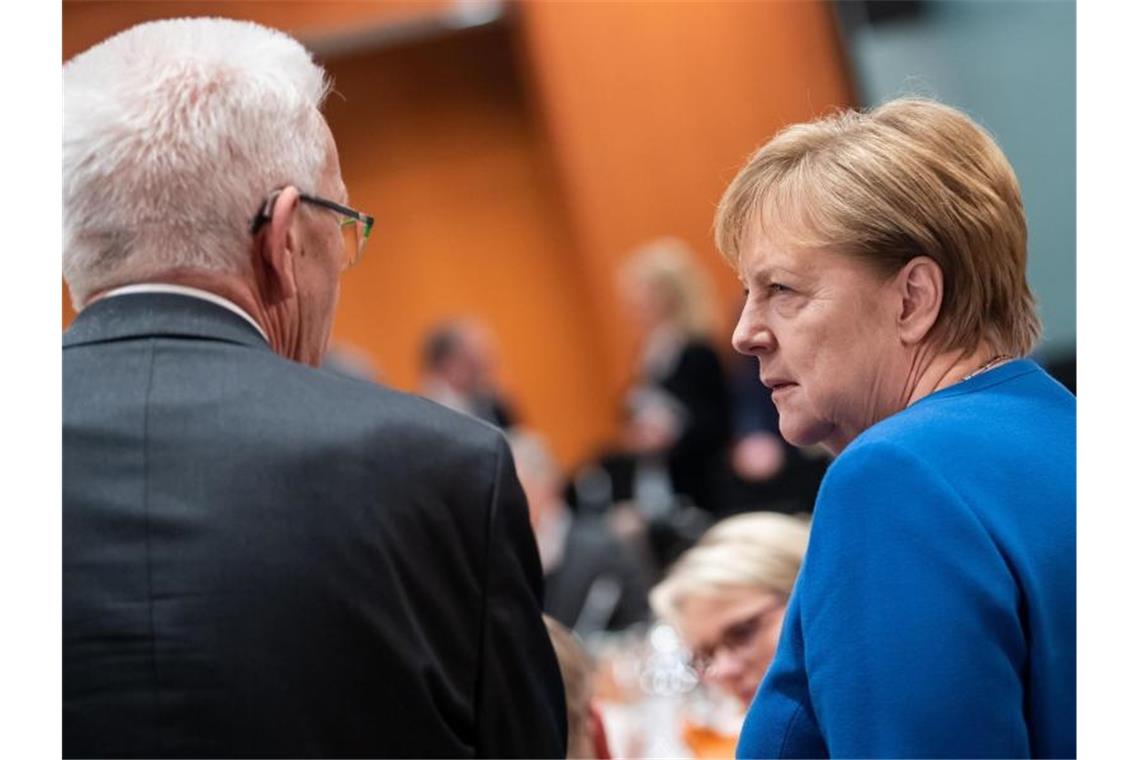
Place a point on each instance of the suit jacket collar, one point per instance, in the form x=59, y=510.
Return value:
x=138, y=315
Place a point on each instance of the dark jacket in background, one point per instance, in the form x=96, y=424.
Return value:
x=263, y=559
x=599, y=585
x=793, y=489
x=697, y=461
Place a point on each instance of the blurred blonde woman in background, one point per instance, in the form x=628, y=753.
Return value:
x=726, y=597
x=680, y=408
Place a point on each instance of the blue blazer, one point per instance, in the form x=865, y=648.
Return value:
x=935, y=612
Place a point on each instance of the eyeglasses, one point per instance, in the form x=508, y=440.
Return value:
x=356, y=227
x=736, y=638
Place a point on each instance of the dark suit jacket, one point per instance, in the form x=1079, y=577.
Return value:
x=263, y=559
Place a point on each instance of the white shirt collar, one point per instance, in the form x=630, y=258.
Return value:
x=182, y=290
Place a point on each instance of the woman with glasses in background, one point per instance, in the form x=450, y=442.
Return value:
x=726, y=597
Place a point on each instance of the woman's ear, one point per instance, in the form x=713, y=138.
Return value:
x=274, y=249
x=919, y=283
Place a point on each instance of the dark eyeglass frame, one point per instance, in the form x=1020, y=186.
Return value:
x=265, y=213
x=734, y=638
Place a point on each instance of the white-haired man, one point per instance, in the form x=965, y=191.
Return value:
x=259, y=557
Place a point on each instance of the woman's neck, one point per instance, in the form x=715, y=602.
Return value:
x=949, y=368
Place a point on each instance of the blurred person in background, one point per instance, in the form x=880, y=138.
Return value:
x=667, y=475
x=884, y=256
x=680, y=407
x=261, y=558
x=585, y=730
x=352, y=361
x=759, y=454
x=458, y=361
x=766, y=469
x=727, y=595
x=593, y=581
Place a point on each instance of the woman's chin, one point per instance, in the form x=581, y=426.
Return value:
x=800, y=436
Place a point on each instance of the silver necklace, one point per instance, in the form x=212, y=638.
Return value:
x=988, y=365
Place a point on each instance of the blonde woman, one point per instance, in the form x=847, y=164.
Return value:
x=680, y=409
x=884, y=256
x=726, y=596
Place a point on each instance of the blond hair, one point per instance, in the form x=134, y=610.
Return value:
x=758, y=550
x=669, y=268
x=910, y=178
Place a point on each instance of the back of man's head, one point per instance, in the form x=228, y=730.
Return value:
x=174, y=132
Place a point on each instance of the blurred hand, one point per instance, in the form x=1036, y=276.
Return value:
x=758, y=457
x=626, y=522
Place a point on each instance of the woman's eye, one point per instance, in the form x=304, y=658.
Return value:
x=742, y=632
x=777, y=287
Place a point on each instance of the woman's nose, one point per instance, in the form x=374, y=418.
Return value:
x=724, y=669
x=751, y=336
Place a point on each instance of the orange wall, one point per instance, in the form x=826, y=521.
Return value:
x=436, y=142
x=511, y=168
x=652, y=107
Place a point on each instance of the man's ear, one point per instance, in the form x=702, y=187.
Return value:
x=275, y=247
x=919, y=283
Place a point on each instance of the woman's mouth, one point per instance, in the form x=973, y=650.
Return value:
x=778, y=388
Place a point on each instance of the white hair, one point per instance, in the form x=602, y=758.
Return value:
x=174, y=132
x=758, y=550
